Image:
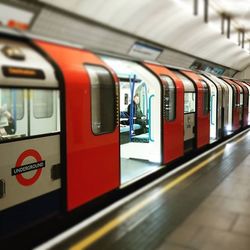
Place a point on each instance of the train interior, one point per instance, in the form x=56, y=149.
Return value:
x=140, y=119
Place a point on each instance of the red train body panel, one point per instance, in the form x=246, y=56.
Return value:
x=92, y=161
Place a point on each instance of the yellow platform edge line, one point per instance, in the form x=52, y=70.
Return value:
x=98, y=234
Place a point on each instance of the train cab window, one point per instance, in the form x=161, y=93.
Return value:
x=13, y=101
x=169, y=98
x=103, y=100
x=28, y=112
x=206, y=101
x=42, y=103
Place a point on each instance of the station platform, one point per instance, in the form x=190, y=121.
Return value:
x=203, y=205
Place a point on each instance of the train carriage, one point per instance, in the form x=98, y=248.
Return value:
x=76, y=125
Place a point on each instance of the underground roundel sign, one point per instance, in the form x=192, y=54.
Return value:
x=36, y=167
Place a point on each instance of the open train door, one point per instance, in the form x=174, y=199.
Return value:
x=202, y=109
x=140, y=119
x=173, y=110
x=236, y=109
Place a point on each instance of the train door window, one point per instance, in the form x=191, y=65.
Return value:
x=42, y=103
x=189, y=102
x=169, y=98
x=241, y=99
x=206, y=98
x=103, y=100
x=235, y=100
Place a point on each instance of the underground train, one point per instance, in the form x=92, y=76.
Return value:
x=69, y=133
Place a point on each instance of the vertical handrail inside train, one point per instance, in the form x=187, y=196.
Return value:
x=211, y=114
x=145, y=101
x=150, y=118
x=131, y=111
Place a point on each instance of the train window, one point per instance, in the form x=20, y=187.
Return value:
x=169, y=98
x=20, y=108
x=42, y=103
x=206, y=101
x=13, y=101
x=103, y=100
x=189, y=102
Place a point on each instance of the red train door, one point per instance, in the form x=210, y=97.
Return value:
x=173, y=110
x=203, y=115
x=244, y=98
x=236, y=103
x=92, y=133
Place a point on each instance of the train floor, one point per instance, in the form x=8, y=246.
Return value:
x=132, y=169
x=205, y=205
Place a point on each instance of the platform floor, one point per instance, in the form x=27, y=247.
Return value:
x=205, y=206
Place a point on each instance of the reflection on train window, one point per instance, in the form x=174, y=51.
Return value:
x=235, y=99
x=42, y=103
x=20, y=108
x=206, y=98
x=103, y=98
x=189, y=102
x=169, y=98
x=13, y=101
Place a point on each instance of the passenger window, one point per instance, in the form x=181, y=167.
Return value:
x=189, y=102
x=13, y=101
x=169, y=101
x=42, y=103
x=20, y=108
x=103, y=100
x=206, y=97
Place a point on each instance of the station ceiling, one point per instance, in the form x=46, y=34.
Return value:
x=172, y=23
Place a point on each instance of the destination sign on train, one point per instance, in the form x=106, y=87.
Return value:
x=22, y=72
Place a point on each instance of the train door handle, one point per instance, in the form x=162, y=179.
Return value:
x=2, y=188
